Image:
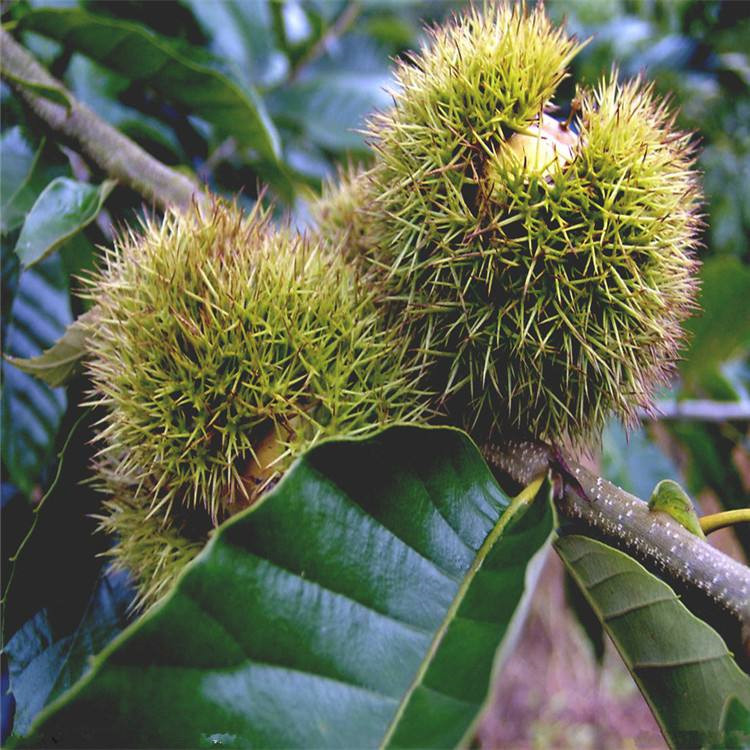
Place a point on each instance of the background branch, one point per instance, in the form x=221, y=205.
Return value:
x=624, y=521
x=109, y=149
x=703, y=410
x=339, y=27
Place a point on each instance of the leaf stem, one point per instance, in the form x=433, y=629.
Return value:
x=717, y=521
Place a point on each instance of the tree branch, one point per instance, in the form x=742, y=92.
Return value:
x=702, y=410
x=339, y=27
x=623, y=520
x=113, y=152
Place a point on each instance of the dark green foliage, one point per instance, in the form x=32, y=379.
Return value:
x=681, y=664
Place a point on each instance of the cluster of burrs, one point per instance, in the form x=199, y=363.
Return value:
x=540, y=269
x=509, y=271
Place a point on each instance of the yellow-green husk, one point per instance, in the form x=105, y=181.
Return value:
x=223, y=347
x=543, y=291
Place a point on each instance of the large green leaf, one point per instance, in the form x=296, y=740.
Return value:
x=680, y=663
x=151, y=60
x=31, y=410
x=360, y=604
x=62, y=210
x=736, y=725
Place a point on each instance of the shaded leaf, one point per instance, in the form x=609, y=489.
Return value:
x=242, y=34
x=331, y=99
x=10, y=268
x=151, y=60
x=331, y=107
x=44, y=663
x=586, y=617
x=19, y=186
x=17, y=157
x=62, y=210
x=58, y=363
x=103, y=90
x=57, y=561
x=359, y=604
x=680, y=663
x=31, y=410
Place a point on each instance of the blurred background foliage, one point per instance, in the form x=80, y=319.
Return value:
x=245, y=93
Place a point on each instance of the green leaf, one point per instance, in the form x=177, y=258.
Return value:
x=103, y=90
x=331, y=107
x=31, y=410
x=359, y=605
x=681, y=664
x=330, y=101
x=669, y=497
x=242, y=35
x=56, y=365
x=62, y=210
x=150, y=60
x=17, y=158
x=724, y=326
x=44, y=662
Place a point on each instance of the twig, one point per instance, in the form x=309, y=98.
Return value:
x=226, y=149
x=625, y=521
x=113, y=152
x=339, y=27
x=702, y=410
x=722, y=520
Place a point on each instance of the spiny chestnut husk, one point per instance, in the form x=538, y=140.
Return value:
x=341, y=217
x=542, y=269
x=152, y=549
x=222, y=348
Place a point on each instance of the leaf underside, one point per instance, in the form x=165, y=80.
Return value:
x=56, y=365
x=680, y=663
x=31, y=410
